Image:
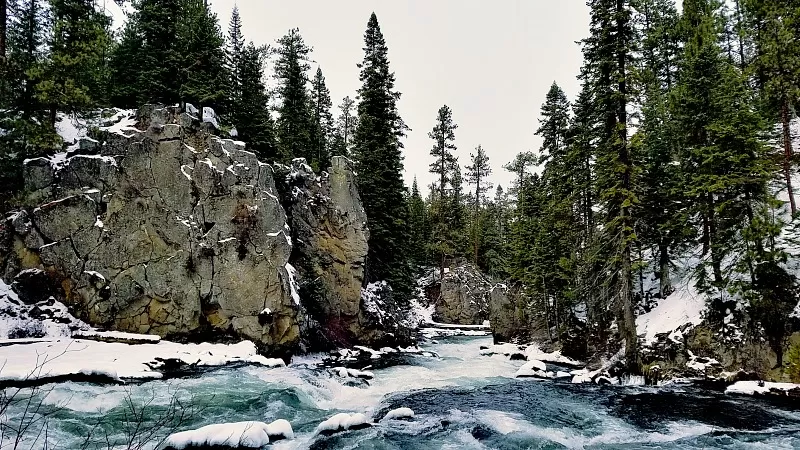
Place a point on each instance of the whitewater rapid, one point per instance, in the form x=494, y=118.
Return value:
x=461, y=398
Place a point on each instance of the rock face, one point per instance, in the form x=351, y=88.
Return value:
x=508, y=317
x=461, y=298
x=156, y=226
x=329, y=228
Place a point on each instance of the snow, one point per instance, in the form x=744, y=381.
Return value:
x=210, y=116
x=399, y=413
x=535, y=369
x=701, y=364
x=533, y=352
x=63, y=357
x=345, y=373
x=183, y=171
x=265, y=311
x=343, y=421
x=683, y=306
x=117, y=335
x=191, y=109
x=293, y=283
x=231, y=435
x=760, y=387
x=17, y=319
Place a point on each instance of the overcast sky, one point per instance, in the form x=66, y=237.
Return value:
x=492, y=62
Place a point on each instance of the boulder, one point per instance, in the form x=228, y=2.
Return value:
x=165, y=229
x=461, y=298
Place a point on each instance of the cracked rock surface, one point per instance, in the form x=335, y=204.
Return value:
x=157, y=226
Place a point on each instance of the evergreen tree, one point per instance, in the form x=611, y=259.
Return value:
x=721, y=153
x=233, y=57
x=74, y=77
x=147, y=64
x=251, y=115
x=608, y=54
x=378, y=152
x=3, y=28
x=443, y=135
x=294, y=127
x=204, y=78
x=418, y=225
x=28, y=132
x=661, y=222
x=345, y=127
x=477, y=175
x=322, y=121
x=775, y=26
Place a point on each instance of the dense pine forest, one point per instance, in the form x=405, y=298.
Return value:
x=675, y=151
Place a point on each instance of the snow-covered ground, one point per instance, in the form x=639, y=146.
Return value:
x=36, y=359
x=684, y=306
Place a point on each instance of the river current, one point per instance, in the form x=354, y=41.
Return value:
x=462, y=400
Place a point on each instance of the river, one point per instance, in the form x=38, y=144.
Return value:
x=462, y=400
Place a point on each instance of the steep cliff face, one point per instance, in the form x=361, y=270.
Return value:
x=156, y=226
x=329, y=229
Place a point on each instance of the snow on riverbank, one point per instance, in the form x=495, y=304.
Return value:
x=684, y=306
x=763, y=388
x=530, y=352
x=41, y=359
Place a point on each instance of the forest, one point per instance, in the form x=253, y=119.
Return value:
x=677, y=148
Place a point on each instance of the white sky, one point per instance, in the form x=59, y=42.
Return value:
x=492, y=62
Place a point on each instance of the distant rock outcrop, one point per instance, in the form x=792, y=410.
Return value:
x=461, y=298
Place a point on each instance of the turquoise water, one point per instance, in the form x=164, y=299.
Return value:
x=461, y=400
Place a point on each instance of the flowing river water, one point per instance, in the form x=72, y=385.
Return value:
x=462, y=400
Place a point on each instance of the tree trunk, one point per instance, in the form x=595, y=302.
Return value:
x=787, y=157
x=546, y=311
x=3, y=28
x=625, y=278
x=664, y=282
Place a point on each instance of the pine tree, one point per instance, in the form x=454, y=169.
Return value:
x=250, y=114
x=28, y=130
x=775, y=26
x=662, y=223
x=722, y=154
x=322, y=121
x=477, y=175
x=204, y=78
x=345, y=127
x=73, y=78
x=147, y=64
x=233, y=57
x=608, y=53
x=294, y=126
x=3, y=28
x=443, y=135
x=378, y=152
x=418, y=225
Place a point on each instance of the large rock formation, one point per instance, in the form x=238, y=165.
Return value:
x=329, y=228
x=157, y=226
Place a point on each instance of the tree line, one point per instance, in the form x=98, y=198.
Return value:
x=670, y=149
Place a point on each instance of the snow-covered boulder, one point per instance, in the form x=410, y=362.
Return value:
x=399, y=413
x=343, y=422
x=236, y=435
x=534, y=369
